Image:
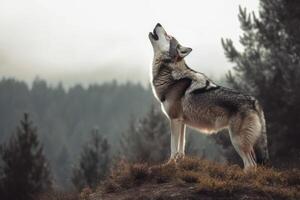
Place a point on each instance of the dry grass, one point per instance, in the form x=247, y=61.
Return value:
x=209, y=177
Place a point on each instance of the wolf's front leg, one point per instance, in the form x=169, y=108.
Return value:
x=182, y=140
x=177, y=144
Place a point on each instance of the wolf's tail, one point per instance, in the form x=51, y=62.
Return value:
x=261, y=146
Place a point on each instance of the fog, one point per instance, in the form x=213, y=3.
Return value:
x=76, y=41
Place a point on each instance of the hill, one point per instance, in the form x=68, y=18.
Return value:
x=193, y=178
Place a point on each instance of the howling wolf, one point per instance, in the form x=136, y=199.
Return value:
x=190, y=98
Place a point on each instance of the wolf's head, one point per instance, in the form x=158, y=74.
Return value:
x=167, y=46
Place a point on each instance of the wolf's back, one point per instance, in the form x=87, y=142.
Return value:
x=229, y=100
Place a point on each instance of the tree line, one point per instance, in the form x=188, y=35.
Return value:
x=65, y=117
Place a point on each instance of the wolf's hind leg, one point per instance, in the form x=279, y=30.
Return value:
x=261, y=146
x=244, y=132
x=176, y=129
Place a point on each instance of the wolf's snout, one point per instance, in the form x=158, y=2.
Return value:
x=154, y=34
x=158, y=25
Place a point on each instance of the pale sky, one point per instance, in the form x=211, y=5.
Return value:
x=88, y=41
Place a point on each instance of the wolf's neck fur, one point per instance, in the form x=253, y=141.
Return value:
x=161, y=61
x=162, y=79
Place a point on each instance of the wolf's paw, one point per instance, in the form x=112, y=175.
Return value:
x=170, y=161
x=179, y=156
x=176, y=157
x=250, y=169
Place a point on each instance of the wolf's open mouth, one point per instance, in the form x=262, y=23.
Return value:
x=154, y=34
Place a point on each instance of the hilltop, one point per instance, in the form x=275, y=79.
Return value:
x=193, y=178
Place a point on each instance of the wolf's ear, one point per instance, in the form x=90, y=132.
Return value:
x=183, y=51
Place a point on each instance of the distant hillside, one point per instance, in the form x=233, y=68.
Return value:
x=64, y=118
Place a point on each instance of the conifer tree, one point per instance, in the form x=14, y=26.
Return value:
x=269, y=68
x=94, y=162
x=25, y=169
x=148, y=139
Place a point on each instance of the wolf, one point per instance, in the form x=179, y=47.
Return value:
x=190, y=98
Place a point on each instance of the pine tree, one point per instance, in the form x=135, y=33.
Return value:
x=148, y=139
x=25, y=169
x=269, y=68
x=94, y=162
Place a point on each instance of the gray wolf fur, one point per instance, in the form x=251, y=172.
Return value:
x=189, y=98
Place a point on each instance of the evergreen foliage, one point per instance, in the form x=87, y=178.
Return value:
x=25, y=171
x=269, y=68
x=148, y=139
x=93, y=164
x=64, y=114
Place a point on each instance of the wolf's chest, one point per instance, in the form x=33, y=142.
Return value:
x=172, y=97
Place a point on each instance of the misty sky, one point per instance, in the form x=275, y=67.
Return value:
x=87, y=41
